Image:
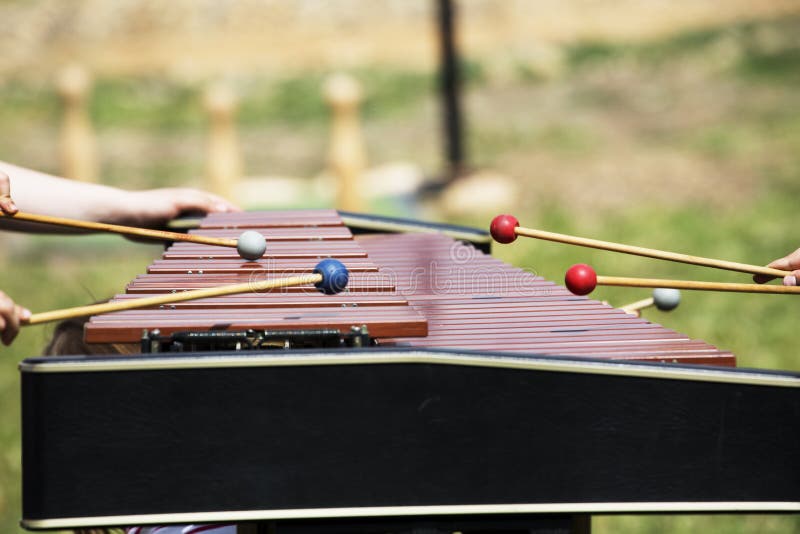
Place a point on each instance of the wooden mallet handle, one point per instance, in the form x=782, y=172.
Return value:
x=329, y=276
x=581, y=279
x=663, y=298
x=694, y=285
x=635, y=307
x=161, y=235
x=169, y=298
x=505, y=228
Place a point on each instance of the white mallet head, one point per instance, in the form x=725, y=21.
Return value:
x=251, y=245
x=666, y=299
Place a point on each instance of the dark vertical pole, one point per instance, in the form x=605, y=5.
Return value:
x=450, y=84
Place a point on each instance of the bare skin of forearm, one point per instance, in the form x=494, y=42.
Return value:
x=37, y=192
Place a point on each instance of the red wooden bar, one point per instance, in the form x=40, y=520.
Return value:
x=273, y=219
x=339, y=249
x=126, y=327
x=309, y=233
x=165, y=283
x=269, y=265
x=283, y=300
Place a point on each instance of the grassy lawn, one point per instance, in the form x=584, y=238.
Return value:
x=69, y=274
x=690, y=144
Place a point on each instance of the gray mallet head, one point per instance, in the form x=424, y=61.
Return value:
x=666, y=299
x=251, y=245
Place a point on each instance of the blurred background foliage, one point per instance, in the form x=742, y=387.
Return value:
x=675, y=129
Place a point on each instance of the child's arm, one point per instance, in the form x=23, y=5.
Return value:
x=49, y=195
x=37, y=192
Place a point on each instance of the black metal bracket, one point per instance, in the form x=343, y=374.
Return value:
x=242, y=340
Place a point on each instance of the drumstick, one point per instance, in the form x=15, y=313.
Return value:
x=506, y=228
x=250, y=244
x=581, y=279
x=330, y=276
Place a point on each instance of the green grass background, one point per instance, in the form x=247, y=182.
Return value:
x=760, y=134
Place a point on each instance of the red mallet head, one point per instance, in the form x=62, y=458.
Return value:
x=581, y=279
x=502, y=228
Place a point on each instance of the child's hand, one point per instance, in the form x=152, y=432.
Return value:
x=10, y=317
x=790, y=262
x=6, y=204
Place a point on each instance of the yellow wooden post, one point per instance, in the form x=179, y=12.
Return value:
x=347, y=155
x=224, y=160
x=77, y=147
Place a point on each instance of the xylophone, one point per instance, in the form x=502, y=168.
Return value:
x=474, y=395
x=410, y=289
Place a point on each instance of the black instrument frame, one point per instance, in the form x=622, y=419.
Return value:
x=313, y=435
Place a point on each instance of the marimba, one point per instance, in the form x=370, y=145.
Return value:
x=462, y=393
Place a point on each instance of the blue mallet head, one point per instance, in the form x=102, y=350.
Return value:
x=334, y=276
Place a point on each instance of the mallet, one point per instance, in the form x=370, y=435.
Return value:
x=250, y=245
x=663, y=298
x=581, y=279
x=506, y=228
x=329, y=276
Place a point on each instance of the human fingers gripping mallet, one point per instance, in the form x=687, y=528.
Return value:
x=11, y=315
x=790, y=262
x=506, y=228
x=329, y=276
x=581, y=279
x=250, y=245
x=7, y=204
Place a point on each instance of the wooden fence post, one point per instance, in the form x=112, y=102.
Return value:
x=77, y=146
x=347, y=155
